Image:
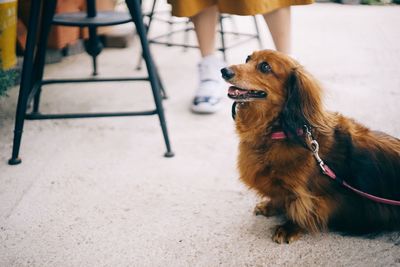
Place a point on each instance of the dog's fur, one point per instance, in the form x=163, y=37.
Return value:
x=285, y=171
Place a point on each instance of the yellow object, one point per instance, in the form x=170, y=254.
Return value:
x=188, y=8
x=8, y=33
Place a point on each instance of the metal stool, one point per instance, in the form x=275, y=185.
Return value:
x=33, y=65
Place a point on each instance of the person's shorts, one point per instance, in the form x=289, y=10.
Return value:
x=188, y=8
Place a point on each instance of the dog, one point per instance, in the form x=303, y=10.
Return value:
x=318, y=169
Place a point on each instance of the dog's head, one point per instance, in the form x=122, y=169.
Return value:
x=274, y=88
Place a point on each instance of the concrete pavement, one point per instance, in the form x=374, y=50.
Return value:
x=97, y=192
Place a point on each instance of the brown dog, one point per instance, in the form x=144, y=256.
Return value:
x=281, y=124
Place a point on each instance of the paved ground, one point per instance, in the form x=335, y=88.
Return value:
x=97, y=192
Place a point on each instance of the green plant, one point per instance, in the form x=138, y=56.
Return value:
x=376, y=2
x=7, y=79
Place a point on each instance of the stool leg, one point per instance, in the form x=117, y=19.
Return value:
x=45, y=25
x=150, y=15
x=26, y=80
x=139, y=64
x=161, y=85
x=163, y=92
x=93, y=47
x=136, y=13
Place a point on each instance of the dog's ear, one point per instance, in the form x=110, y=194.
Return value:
x=303, y=103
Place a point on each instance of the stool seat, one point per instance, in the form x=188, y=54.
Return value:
x=102, y=18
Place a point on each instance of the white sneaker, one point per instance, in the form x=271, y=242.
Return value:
x=211, y=87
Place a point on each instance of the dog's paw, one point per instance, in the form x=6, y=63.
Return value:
x=266, y=208
x=262, y=208
x=286, y=233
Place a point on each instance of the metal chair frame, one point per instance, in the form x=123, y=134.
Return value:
x=223, y=46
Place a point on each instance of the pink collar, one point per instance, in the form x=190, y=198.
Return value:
x=282, y=135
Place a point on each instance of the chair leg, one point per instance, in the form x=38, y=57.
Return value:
x=136, y=13
x=40, y=58
x=170, y=29
x=222, y=33
x=257, y=32
x=153, y=7
x=235, y=28
x=150, y=15
x=26, y=79
x=186, y=35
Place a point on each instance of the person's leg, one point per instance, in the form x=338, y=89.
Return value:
x=279, y=25
x=209, y=93
x=205, y=24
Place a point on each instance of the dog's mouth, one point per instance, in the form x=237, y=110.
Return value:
x=240, y=94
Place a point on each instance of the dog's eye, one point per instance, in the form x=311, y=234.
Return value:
x=248, y=59
x=264, y=67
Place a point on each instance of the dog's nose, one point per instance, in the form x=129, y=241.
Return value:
x=227, y=73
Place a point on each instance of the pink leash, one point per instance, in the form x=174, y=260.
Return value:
x=327, y=171
x=314, y=146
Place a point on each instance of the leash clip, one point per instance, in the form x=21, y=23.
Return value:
x=314, y=147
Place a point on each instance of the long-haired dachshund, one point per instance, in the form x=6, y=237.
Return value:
x=318, y=169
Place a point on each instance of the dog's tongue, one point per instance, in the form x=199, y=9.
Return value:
x=236, y=91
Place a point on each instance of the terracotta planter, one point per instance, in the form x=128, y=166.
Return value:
x=61, y=36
